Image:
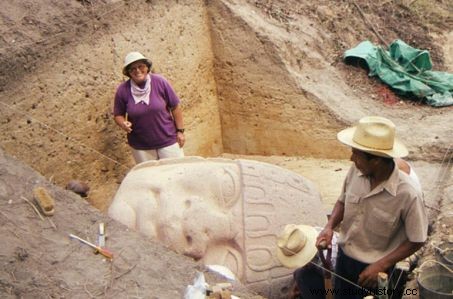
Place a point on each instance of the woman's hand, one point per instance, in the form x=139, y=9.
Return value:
x=181, y=139
x=127, y=126
x=123, y=123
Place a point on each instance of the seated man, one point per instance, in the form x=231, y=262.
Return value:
x=309, y=277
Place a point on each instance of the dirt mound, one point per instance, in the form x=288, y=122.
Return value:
x=40, y=260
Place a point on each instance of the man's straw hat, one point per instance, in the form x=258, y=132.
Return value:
x=374, y=135
x=296, y=245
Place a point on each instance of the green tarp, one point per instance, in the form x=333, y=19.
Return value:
x=407, y=70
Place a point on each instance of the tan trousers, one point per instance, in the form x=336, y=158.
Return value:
x=171, y=151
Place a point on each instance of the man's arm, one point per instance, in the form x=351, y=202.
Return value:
x=368, y=277
x=335, y=219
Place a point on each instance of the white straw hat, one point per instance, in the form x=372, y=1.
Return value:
x=133, y=57
x=296, y=245
x=374, y=135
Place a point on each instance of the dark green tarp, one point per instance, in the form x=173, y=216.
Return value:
x=407, y=70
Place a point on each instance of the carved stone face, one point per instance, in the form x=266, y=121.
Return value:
x=220, y=211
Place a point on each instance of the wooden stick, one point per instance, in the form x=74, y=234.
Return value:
x=370, y=25
x=383, y=283
x=127, y=271
x=39, y=214
x=34, y=208
x=51, y=223
x=328, y=287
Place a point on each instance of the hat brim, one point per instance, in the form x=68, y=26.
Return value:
x=307, y=253
x=125, y=73
x=399, y=150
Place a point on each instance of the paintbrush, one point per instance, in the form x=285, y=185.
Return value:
x=44, y=201
x=97, y=249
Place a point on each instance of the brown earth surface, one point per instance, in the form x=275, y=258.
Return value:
x=262, y=80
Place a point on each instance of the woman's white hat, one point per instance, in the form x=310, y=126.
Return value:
x=296, y=245
x=133, y=57
x=374, y=135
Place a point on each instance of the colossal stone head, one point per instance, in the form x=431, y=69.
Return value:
x=220, y=211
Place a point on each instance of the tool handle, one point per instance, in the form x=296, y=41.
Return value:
x=328, y=288
x=105, y=252
x=98, y=249
x=322, y=244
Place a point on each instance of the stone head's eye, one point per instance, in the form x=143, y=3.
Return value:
x=229, y=186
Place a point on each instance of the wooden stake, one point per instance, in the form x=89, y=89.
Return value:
x=369, y=24
x=383, y=283
x=34, y=208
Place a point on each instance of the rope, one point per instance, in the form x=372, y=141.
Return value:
x=397, y=281
x=331, y=272
x=73, y=29
x=446, y=161
x=352, y=283
x=440, y=250
x=436, y=262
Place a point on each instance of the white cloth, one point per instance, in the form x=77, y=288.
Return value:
x=198, y=289
x=415, y=179
x=141, y=94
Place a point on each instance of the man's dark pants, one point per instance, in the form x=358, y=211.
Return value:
x=350, y=269
x=310, y=281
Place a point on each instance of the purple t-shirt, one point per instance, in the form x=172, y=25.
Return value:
x=153, y=126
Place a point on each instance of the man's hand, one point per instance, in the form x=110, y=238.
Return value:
x=324, y=239
x=369, y=276
x=181, y=139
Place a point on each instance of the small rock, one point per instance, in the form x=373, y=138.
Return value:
x=78, y=187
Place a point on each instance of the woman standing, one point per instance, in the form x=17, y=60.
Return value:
x=147, y=108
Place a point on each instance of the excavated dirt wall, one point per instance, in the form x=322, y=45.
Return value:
x=262, y=108
x=237, y=97
x=60, y=121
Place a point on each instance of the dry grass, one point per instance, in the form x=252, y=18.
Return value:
x=439, y=13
